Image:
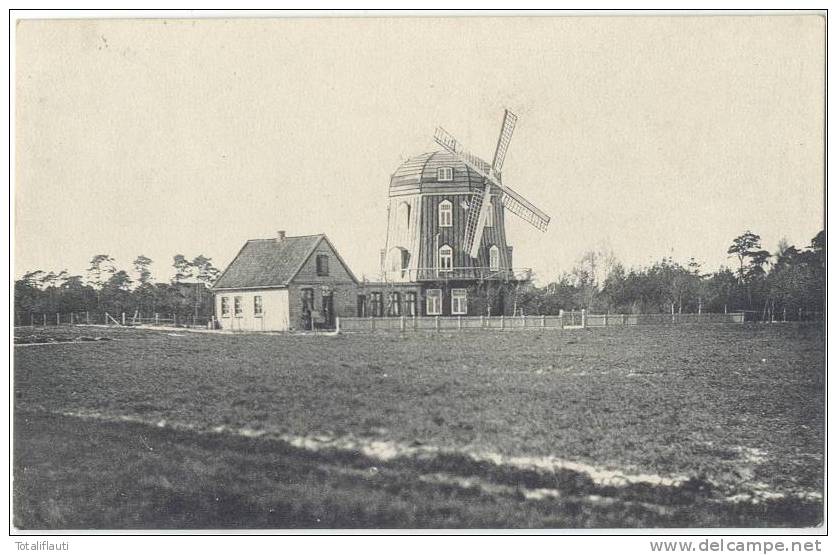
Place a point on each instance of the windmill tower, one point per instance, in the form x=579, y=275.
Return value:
x=446, y=229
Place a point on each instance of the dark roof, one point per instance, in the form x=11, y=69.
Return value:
x=270, y=263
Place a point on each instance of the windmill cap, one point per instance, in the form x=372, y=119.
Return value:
x=421, y=174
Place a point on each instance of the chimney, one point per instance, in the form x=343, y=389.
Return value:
x=280, y=235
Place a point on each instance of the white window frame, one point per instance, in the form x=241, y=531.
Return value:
x=238, y=306
x=225, y=307
x=258, y=307
x=494, y=258
x=433, y=302
x=410, y=303
x=446, y=214
x=445, y=262
x=444, y=173
x=394, y=304
x=459, y=301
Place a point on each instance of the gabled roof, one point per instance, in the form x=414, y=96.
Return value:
x=271, y=263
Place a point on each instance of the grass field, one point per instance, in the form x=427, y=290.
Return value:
x=693, y=425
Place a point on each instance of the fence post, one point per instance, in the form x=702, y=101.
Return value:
x=459, y=322
x=336, y=324
x=502, y=321
x=156, y=318
x=174, y=319
x=482, y=320
x=543, y=320
x=71, y=318
x=44, y=320
x=123, y=318
x=57, y=318
x=583, y=317
x=87, y=316
x=561, y=317
x=437, y=323
x=403, y=323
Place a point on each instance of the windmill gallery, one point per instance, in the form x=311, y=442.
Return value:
x=446, y=252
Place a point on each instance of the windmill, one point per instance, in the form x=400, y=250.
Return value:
x=478, y=208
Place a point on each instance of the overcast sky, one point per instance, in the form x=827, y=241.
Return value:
x=652, y=136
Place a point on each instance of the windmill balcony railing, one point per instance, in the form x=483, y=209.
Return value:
x=460, y=273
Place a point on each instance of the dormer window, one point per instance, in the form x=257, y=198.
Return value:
x=444, y=174
x=445, y=214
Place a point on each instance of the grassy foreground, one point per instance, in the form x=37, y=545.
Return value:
x=736, y=410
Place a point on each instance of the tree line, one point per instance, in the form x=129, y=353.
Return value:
x=107, y=288
x=787, y=283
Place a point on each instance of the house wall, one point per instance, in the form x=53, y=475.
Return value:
x=337, y=273
x=344, y=297
x=274, y=310
x=338, y=281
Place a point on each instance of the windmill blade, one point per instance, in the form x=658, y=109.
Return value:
x=477, y=216
x=509, y=121
x=512, y=200
x=449, y=143
x=524, y=209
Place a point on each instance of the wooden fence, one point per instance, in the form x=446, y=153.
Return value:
x=564, y=320
x=42, y=320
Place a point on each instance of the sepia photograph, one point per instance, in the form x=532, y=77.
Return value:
x=377, y=271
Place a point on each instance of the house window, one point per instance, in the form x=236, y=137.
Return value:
x=459, y=301
x=445, y=214
x=409, y=304
x=494, y=258
x=444, y=174
x=257, y=305
x=394, y=304
x=322, y=264
x=434, y=302
x=238, y=308
x=307, y=299
x=445, y=258
x=489, y=212
x=377, y=304
x=361, y=306
x=225, y=307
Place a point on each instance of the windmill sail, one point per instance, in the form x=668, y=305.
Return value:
x=477, y=215
x=509, y=121
x=449, y=143
x=512, y=200
x=524, y=209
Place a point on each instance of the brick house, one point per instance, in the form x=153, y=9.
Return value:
x=285, y=284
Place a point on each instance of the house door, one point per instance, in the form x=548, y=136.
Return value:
x=328, y=311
